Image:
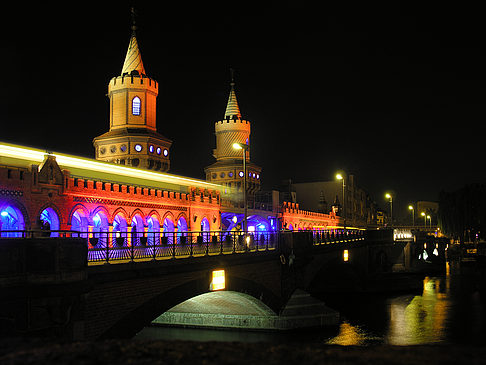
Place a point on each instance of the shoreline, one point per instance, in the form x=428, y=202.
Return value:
x=39, y=351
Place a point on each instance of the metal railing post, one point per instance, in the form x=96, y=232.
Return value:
x=108, y=249
x=174, y=238
x=132, y=249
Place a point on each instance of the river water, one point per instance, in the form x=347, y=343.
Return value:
x=450, y=309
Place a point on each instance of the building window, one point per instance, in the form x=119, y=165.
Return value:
x=151, y=149
x=159, y=150
x=136, y=105
x=138, y=147
x=166, y=152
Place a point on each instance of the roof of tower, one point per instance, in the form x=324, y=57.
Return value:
x=133, y=59
x=232, y=108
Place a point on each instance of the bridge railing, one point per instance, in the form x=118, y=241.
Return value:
x=326, y=236
x=104, y=246
x=132, y=246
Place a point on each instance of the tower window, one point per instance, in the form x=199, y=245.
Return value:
x=136, y=105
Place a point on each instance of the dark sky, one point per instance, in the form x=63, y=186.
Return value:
x=391, y=93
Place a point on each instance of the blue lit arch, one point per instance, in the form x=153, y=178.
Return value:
x=11, y=219
x=49, y=220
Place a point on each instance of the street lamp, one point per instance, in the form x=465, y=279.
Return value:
x=390, y=199
x=430, y=221
x=425, y=219
x=410, y=207
x=244, y=147
x=340, y=176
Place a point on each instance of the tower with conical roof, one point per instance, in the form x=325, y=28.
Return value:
x=133, y=138
x=228, y=168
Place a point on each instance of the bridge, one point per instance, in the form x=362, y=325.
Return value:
x=66, y=287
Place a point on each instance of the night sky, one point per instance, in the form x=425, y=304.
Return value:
x=393, y=94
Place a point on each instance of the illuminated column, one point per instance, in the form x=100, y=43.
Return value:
x=110, y=235
x=129, y=236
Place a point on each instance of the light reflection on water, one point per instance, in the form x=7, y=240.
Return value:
x=450, y=309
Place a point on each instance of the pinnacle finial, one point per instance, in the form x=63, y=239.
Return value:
x=232, y=73
x=232, y=108
x=134, y=23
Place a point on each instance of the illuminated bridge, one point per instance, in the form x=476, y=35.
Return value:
x=52, y=287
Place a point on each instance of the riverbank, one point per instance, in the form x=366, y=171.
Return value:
x=15, y=351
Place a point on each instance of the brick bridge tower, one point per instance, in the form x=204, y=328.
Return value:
x=133, y=139
x=228, y=168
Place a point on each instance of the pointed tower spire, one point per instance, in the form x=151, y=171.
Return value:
x=232, y=109
x=133, y=59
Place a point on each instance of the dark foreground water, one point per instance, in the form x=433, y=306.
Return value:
x=450, y=309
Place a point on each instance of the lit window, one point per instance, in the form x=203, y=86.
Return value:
x=166, y=152
x=258, y=176
x=241, y=174
x=136, y=105
x=230, y=174
x=159, y=150
x=138, y=147
x=218, y=280
x=151, y=149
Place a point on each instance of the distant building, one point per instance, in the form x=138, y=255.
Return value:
x=319, y=196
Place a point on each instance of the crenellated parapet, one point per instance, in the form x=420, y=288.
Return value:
x=295, y=218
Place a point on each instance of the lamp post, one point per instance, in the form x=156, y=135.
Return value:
x=425, y=219
x=410, y=207
x=244, y=147
x=340, y=176
x=390, y=199
x=430, y=221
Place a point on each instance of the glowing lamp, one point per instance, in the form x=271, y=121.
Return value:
x=235, y=219
x=218, y=281
x=345, y=255
x=388, y=196
x=410, y=207
x=422, y=214
x=339, y=176
x=4, y=213
x=237, y=146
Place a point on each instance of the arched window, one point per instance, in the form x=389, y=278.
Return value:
x=136, y=105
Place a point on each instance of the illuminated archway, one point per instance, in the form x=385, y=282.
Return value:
x=11, y=219
x=291, y=228
x=137, y=229
x=50, y=221
x=100, y=228
x=257, y=223
x=79, y=222
x=181, y=228
x=120, y=229
x=153, y=230
x=168, y=229
x=205, y=228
